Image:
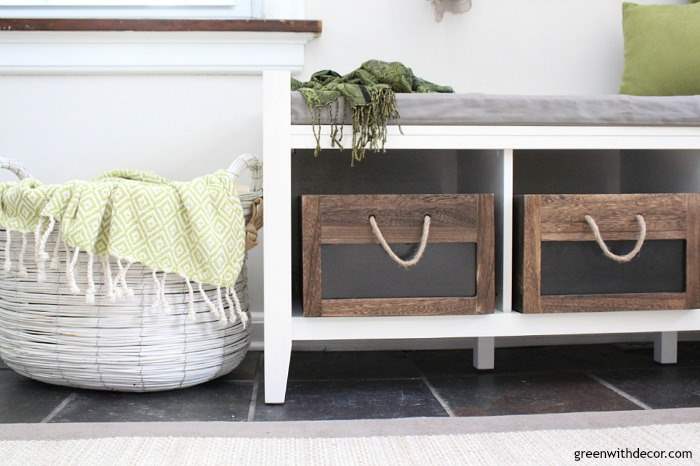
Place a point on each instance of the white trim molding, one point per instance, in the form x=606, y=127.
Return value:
x=61, y=52
x=183, y=9
x=189, y=9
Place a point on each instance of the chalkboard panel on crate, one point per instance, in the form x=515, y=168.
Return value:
x=346, y=272
x=607, y=252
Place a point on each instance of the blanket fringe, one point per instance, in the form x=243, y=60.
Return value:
x=164, y=300
x=129, y=292
x=21, y=269
x=109, y=284
x=222, y=312
x=156, y=291
x=236, y=310
x=118, y=292
x=70, y=269
x=90, y=292
x=56, y=251
x=45, y=238
x=41, y=256
x=191, y=314
x=8, y=254
x=37, y=242
x=233, y=317
x=211, y=306
x=227, y=309
x=122, y=287
x=239, y=309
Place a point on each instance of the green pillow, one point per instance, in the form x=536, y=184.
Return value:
x=662, y=53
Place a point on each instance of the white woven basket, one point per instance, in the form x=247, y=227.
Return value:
x=49, y=334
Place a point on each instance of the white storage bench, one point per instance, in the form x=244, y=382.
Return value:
x=497, y=130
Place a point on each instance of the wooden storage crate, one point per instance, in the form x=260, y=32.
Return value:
x=561, y=266
x=347, y=273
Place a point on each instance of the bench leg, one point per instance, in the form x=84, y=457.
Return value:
x=666, y=347
x=277, y=260
x=276, y=357
x=485, y=353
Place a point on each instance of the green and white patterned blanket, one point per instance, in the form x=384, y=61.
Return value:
x=195, y=229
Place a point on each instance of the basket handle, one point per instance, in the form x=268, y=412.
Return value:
x=254, y=224
x=14, y=167
x=405, y=263
x=254, y=166
x=604, y=247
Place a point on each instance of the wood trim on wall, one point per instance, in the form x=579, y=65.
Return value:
x=161, y=25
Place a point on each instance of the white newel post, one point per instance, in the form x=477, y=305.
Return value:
x=277, y=260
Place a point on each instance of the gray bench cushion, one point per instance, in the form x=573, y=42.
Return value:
x=526, y=110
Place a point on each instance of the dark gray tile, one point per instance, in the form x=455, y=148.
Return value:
x=538, y=359
x=624, y=356
x=314, y=365
x=248, y=368
x=496, y=394
x=375, y=399
x=613, y=356
x=689, y=353
x=575, y=358
x=24, y=400
x=660, y=387
x=445, y=362
x=508, y=360
x=219, y=400
x=638, y=356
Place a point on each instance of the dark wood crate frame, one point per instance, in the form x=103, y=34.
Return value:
x=343, y=219
x=540, y=218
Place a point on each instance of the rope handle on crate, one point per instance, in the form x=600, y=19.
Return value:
x=254, y=166
x=604, y=247
x=405, y=263
x=15, y=167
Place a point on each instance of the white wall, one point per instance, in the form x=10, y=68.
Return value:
x=79, y=126
x=500, y=46
x=64, y=127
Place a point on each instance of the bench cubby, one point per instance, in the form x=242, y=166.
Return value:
x=449, y=267
x=606, y=252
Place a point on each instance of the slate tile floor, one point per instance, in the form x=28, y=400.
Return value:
x=363, y=385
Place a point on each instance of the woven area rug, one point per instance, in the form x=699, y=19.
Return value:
x=506, y=440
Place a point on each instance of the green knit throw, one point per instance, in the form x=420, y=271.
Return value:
x=369, y=92
x=194, y=229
